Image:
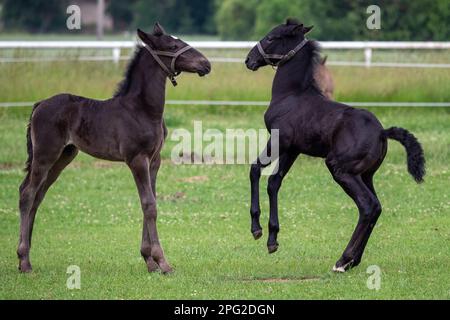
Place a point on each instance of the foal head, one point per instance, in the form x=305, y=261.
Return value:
x=176, y=55
x=278, y=46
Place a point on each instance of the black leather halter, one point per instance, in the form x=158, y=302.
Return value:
x=281, y=58
x=172, y=72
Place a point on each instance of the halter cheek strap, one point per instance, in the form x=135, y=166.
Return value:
x=172, y=72
x=282, y=58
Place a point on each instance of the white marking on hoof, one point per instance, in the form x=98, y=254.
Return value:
x=338, y=269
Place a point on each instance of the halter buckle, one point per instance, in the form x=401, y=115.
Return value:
x=173, y=80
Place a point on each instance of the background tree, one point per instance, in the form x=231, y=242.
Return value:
x=186, y=16
x=34, y=15
x=122, y=13
x=270, y=13
x=236, y=19
x=409, y=21
x=401, y=20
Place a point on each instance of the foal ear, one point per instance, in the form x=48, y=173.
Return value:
x=307, y=29
x=148, y=39
x=292, y=21
x=297, y=29
x=158, y=30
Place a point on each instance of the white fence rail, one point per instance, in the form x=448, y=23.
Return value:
x=117, y=46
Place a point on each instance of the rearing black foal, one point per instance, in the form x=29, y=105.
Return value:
x=128, y=127
x=352, y=141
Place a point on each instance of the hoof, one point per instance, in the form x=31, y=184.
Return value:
x=167, y=271
x=25, y=267
x=338, y=269
x=257, y=234
x=165, y=268
x=272, y=248
x=343, y=268
x=152, y=266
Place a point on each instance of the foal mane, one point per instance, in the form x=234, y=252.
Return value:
x=314, y=60
x=312, y=49
x=124, y=86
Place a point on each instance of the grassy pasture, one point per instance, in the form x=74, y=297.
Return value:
x=92, y=217
x=35, y=81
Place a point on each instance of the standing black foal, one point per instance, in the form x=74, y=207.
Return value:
x=128, y=127
x=352, y=141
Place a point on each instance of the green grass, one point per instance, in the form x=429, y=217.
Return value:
x=36, y=81
x=92, y=218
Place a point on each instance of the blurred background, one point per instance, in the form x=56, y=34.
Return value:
x=402, y=20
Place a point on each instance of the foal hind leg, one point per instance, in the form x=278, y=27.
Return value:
x=369, y=209
x=42, y=163
x=152, y=266
x=368, y=181
x=367, y=178
x=69, y=153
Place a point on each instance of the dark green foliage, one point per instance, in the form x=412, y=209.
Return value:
x=34, y=15
x=122, y=13
x=236, y=19
x=186, y=16
x=401, y=20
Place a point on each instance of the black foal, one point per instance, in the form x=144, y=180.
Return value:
x=128, y=127
x=352, y=141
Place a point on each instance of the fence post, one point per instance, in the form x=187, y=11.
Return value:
x=368, y=56
x=116, y=55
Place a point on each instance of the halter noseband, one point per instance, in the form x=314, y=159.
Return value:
x=172, y=72
x=282, y=58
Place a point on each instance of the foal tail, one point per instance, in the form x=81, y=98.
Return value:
x=29, y=142
x=27, y=168
x=414, y=151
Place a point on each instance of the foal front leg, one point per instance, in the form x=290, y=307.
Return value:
x=145, y=245
x=255, y=176
x=285, y=163
x=141, y=172
x=255, y=209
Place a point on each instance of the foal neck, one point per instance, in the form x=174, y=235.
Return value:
x=145, y=82
x=296, y=75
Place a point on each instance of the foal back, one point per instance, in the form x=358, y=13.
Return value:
x=103, y=129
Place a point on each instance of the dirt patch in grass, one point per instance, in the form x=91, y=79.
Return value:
x=104, y=164
x=99, y=164
x=11, y=166
x=194, y=179
x=284, y=279
x=171, y=197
